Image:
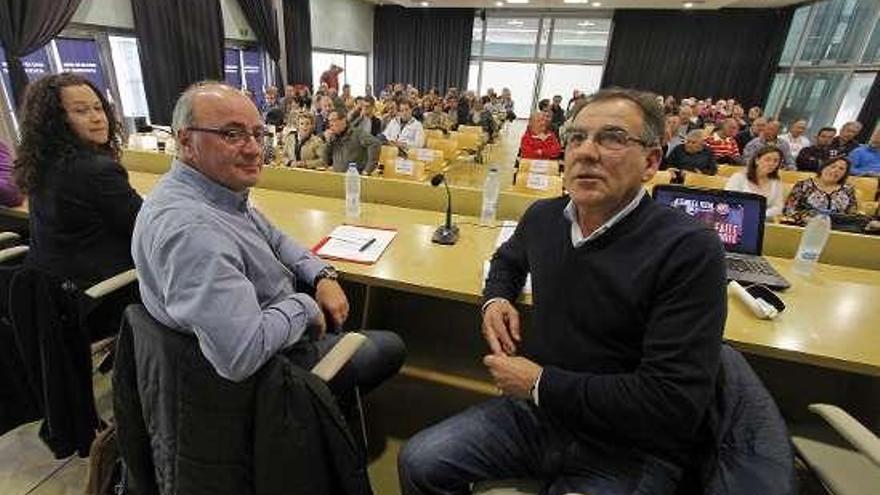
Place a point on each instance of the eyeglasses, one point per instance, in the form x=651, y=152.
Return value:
x=610, y=138
x=235, y=136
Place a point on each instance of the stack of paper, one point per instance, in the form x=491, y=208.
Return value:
x=354, y=243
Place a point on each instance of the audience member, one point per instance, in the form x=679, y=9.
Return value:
x=689, y=121
x=845, y=142
x=610, y=396
x=811, y=157
x=479, y=116
x=538, y=142
x=866, y=158
x=827, y=191
x=197, y=232
x=770, y=137
x=722, y=143
x=325, y=106
x=302, y=147
x=364, y=117
x=10, y=196
x=437, y=118
x=507, y=102
x=671, y=136
x=82, y=208
x=404, y=131
x=795, y=138
x=738, y=114
x=754, y=114
x=346, y=145
x=691, y=156
x=751, y=132
x=762, y=177
x=330, y=77
x=557, y=114
x=389, y=113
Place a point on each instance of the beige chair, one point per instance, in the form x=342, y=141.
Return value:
x=434, y=160
x=406, y=169
x=726, y=170
x=449, y=147
x=469, y=141
x=704, y=181
x=866, y=187
x=794, y=176
x=434, y=134
x=387, y=155
x=843, y=471
x=661, y=177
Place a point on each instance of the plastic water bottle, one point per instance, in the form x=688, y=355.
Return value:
x=813, y=240
x=352, y=191
x=490, y=197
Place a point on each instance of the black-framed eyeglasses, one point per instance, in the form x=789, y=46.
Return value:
x=610, y=138
x=236, y=136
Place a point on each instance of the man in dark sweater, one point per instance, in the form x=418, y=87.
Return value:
x=691, y=156
x=811, y=157
x=610, y=390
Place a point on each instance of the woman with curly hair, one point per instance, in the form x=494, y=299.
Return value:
x=82, y=208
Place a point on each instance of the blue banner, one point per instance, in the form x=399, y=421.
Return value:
x=80, y=57
x=36, y=65
x=253, y=74
x=231, y=68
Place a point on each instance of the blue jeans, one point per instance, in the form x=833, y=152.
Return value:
x=510, y=438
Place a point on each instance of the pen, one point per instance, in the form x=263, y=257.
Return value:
x=368, y=244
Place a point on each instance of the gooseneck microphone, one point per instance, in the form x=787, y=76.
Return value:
x=446, y=233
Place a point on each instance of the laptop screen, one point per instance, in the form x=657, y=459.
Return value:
x=737, y=217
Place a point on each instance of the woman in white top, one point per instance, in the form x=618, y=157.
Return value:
x=762, y=177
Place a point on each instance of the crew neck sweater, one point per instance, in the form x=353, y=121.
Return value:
x=627, y=327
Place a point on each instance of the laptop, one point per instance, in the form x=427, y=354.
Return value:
x=739, y=220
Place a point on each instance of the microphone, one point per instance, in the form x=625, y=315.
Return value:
x=447, y=233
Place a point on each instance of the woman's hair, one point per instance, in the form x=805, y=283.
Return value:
x=537, y=119
x=831, y=161
x=752, y=168
x=47, y=138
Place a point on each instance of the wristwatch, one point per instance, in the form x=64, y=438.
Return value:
x=327, y=272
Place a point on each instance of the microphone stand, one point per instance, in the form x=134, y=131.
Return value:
x=446, y=234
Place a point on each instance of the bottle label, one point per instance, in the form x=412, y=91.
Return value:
x=808, y=256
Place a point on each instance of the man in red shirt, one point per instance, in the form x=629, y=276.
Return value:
x=330, y=77
x=723, y=144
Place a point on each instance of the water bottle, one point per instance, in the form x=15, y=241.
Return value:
x=490, y=197
x=813, y=239
x=352, y=191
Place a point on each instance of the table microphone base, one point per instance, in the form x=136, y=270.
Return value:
x=445, y=235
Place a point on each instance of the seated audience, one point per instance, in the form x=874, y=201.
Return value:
x=795, y=137
x=751, y=132
x=827, y=191
x=811, y=157
x=364, y=117
x=213, y=266
x=302, y=147
x=481, y=117
x=845, y=142
x=82, y=207
x=325, y=106
x=754, y=114
x=762, y=177
x=389, y=113
x=866, y=158
x=610, y=396
x=689, y=121
x=404, y=131
x=671, y=136
x=538, y=142
x=10, y=196
x=738, y=114
x=769, y=137
x=691, y=156
x=722, y=143
x=347, y=144
x=507, y=103
x=437, y=118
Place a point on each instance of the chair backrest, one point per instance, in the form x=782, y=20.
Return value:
x=545, y=167
x=866, y=187
x=468, y=141
x=387, y=155
x=726, y=170
x=449, y=147
x=538, y=184
x=661, y=177
x=470, y=129
x=705, y=181
x=434, y=133
x=794, y=176
x=434, y=159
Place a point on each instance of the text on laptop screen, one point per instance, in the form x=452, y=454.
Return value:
x=737, y=220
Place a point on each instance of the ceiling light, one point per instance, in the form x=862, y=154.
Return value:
x=424, y=4
x=586, y=24
x=517, y=1
x=499, y=4
x=688, y=5
x=596, y=4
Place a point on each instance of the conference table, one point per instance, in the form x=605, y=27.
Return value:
x=831, y=319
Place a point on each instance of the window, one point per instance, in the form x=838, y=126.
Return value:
x=80, y=56
x=321, y=61
x=519, y=77
x=130, y=82
x=808, y=98
x=854, y=98
x=477, y=40
x=511, y=38
x=798, y=23
x=232, y=67
x=354, y=71
x=774, y=101
x=564, y=79
x=838, y=31
x=582, y=39
x=872, y=54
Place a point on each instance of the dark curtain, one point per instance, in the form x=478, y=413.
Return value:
x=180, y=43
x=870, y=112
x=298, y=41
x=727, y=53
x=423, y=47
x=261, y=16
x=26, y=25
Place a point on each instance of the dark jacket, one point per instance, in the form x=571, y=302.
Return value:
x=202, y=434
x=18, y=404
x=353, y=146
x=81, y=219
x=702, y=161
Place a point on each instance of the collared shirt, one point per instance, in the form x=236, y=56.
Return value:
x=412, y=133
x=577, y=237
x=210, y=264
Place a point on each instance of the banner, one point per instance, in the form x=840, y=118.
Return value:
x=253, y=74
x=231, y=66
x=80, y=57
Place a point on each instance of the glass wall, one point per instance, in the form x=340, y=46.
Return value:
x=538, y=55
x=129, y=80
x=354, y=71
x=831, y=58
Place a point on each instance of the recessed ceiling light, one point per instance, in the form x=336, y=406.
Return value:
x=596, y=4
x=688, y=5
x=517, y=1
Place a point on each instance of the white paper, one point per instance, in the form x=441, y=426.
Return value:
x=424, y=154
x=538, y=181
x=346, y=242
x=403, y=167
x=543, y=166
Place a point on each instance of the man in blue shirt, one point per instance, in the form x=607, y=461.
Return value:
x=866, y=158
x=211, y=265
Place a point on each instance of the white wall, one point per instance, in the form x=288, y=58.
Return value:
x=342, y=25
x=118, y=14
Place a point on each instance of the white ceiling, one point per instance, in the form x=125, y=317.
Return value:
x=606, y=4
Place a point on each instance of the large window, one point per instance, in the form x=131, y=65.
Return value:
x=129, y=81
x=828, y=64
x=538, y=55
x=354, y=71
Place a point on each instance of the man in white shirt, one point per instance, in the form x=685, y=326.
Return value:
x=405, y=131
x=795, y=137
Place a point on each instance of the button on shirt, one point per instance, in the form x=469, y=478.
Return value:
x=412, y=133
x=210, y=264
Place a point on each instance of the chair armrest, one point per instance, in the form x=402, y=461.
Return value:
x=9, y=236
x=12, y=253
x=111, y=284
x=854, y=432
x=340, y=354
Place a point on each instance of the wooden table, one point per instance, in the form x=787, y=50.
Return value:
x=831, y=320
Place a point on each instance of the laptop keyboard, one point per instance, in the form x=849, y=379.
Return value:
x=753, y=266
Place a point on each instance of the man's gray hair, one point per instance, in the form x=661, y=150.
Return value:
x=183, y=115
x=695, y=134
x=653, y=120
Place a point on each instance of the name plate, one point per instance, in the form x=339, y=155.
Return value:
x=538, y=181
x=544, y=166
x=403, y=167
x=425, y=154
